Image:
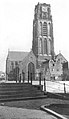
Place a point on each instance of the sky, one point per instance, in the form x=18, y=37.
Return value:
x=16, y=26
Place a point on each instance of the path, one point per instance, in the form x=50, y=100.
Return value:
x=19, y=113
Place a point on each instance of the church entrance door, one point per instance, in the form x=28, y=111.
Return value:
x=31, y=72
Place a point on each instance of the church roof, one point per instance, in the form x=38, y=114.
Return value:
x=17, y=55
x=60, y=55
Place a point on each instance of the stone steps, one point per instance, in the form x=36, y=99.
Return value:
x=14, y=91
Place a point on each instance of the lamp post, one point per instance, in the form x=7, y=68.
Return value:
x=40, y=76
x=23, y=76
x=31, y=78
x=44, y=85
x=64, y=88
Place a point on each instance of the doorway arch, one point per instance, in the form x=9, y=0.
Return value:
x=31, y=72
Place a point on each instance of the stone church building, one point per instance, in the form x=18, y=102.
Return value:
x=36, y=62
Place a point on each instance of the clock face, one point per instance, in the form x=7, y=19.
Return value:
x=44, y=9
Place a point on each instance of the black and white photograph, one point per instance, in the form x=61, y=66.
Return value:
x=34, y=59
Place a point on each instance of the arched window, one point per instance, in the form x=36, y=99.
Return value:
x=45, y=46
x=49, y=47
x=49, y=29
x=12, y=65
x=40, y=46
x=44, y=29
x=41, y=28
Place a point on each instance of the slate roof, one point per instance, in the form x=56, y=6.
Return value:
x=60, y=55
x=17, y=55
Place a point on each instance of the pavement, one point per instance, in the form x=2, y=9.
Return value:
x=31, y=106
x=19, y=113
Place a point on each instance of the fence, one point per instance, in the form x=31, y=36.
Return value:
x=54, y=86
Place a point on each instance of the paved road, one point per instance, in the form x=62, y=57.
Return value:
x=19, y=113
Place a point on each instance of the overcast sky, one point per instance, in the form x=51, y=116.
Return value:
x=16, y=26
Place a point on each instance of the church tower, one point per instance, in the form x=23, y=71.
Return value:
x=43, y=42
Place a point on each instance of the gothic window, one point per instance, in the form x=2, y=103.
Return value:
x=40, y=46
x=49, y=47
x=12, y=65
x=45, y=46
x=49, y=29
x=41, y=28
x=44, y=29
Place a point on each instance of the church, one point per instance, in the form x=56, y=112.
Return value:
x=41, y=60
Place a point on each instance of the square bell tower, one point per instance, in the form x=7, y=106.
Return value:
x=43, y=41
